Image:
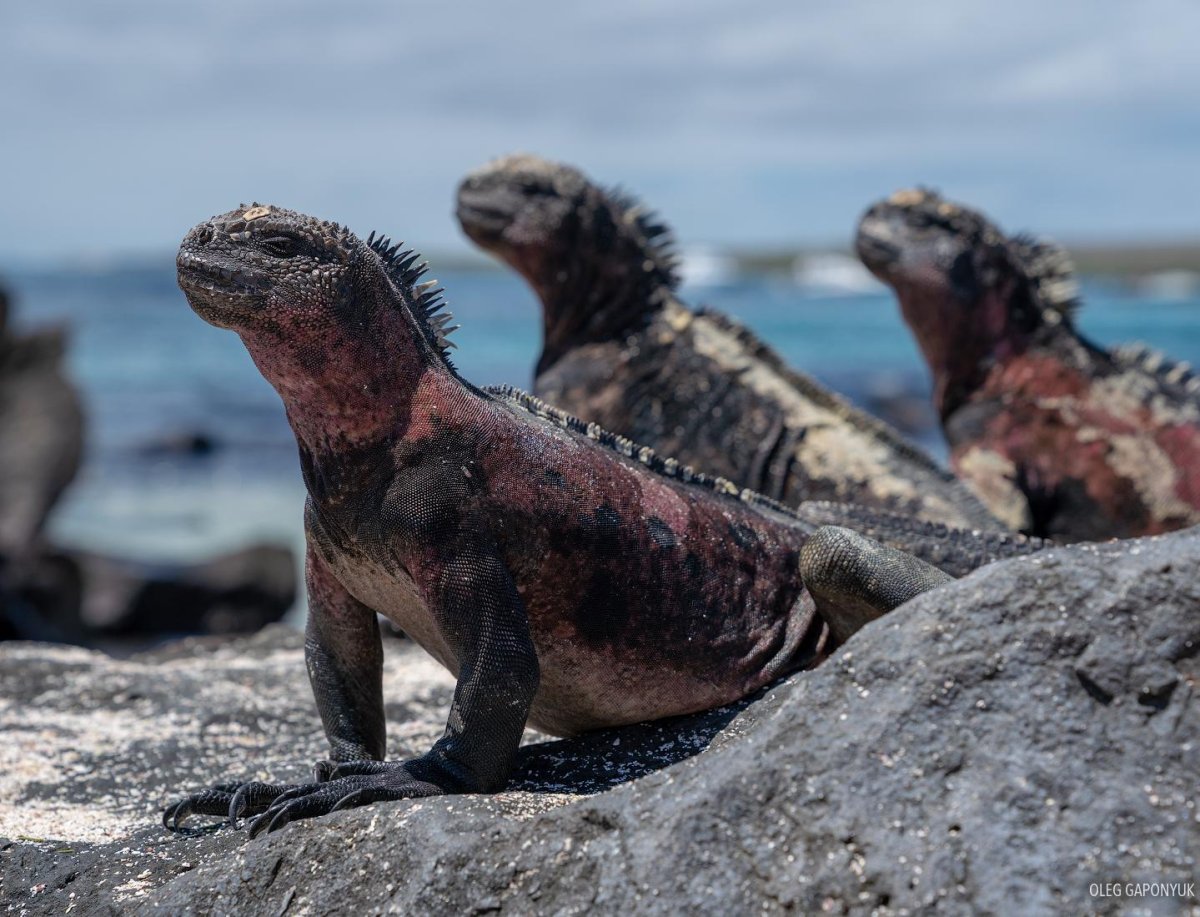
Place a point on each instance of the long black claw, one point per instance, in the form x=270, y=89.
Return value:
x=174, y=814
x=210, y=802
x=255, y=797
x=237, y=806
x=271, y=820
x=280, y=820
x=287, y=796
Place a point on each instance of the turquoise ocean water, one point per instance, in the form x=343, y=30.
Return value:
x=150, y=369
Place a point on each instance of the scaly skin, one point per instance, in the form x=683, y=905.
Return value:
x=954, y=551
x=1061, y=438
x=568, y=577
x=620, y=349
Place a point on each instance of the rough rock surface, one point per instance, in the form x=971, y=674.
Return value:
x=997, y=745
x=95, y=747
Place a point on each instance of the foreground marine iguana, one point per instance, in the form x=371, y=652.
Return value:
x=568, y=577
x=620, y=349
x=1060, y=437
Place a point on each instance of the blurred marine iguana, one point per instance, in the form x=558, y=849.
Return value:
x=41, y=432
x=1061, y=438
x=41, y=446
x=620, y=349
x=568, y=577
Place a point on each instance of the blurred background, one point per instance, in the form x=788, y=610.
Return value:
x=759, y=130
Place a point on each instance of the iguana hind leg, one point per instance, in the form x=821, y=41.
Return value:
x=854, y=580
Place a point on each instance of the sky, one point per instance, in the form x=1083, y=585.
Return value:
x=746, y=124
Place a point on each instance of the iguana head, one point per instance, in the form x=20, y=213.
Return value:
x=968, y=291
x=598, y=260
x=320, y=310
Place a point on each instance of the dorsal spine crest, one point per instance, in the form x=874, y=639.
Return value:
x=431, y=314
x=1157, y=364
x=644, y=455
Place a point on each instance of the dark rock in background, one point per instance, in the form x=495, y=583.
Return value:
x=999, y=745
x=55, y=594
x=91, y=599
x=238, y=592
x=181, y=444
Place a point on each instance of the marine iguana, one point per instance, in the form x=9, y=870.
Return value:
x=41, y=432
x=569, y=577
x=1061, y=438
x=621, y=349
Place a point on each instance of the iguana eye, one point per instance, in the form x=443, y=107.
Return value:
x=923, y=219
x=281, y=246
x=536, y=189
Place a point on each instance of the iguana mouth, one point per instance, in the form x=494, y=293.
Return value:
x=480, y=212
x=198, y=275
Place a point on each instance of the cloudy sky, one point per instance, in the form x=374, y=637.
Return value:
x=744, y=123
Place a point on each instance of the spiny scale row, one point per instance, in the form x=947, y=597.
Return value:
x=660, y=241
x=1159, y=365
x=402, y=265
x=1051, y=271
x=668, y=467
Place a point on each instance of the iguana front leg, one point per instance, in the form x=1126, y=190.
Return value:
x=853, y=579
x=479, y=610
x=344, y=657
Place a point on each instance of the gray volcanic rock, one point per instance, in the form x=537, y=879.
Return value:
x=95, y=747
x=1000, y=744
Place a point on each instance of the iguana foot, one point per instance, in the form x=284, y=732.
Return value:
x=854, y=580
x=254, y=798
x=341, y=786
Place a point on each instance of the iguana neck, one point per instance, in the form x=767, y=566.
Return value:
x=594, y=299
x=963, y=343
x=355, y=385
